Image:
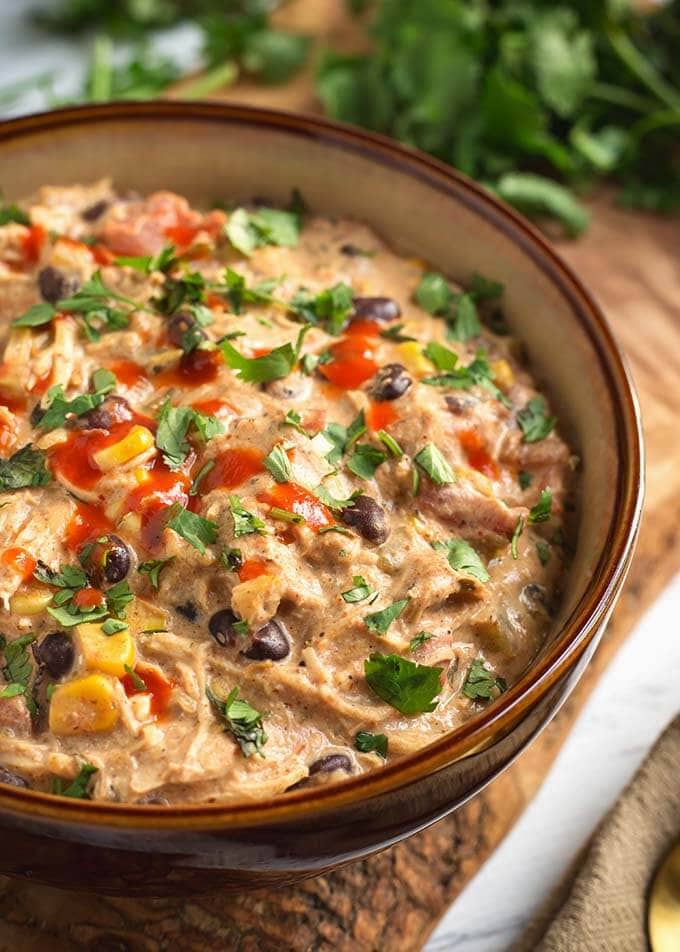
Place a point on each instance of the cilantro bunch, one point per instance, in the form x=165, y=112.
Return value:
x=538, y=100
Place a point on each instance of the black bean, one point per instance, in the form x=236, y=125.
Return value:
x=56, y=653
x=107, y=561
x=270, y=643
x=113, y=410
x=221, y=627
x=329, y=763
x=368, y=518
x=188, y=609
x=352, y=251
x=54, y=284
x=37, y=413
x=375, y=309
x=181, y=323
x=14, y=780
x=95, y=211
x=457, y=404
x=390, y=383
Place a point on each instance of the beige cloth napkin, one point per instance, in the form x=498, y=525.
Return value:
x=601, y=904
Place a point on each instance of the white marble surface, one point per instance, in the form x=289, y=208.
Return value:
x=631, y=705
x=633, y=702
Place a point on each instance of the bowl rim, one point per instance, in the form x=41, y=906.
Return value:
x=593, y=606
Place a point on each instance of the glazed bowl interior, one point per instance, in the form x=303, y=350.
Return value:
x=229, y=154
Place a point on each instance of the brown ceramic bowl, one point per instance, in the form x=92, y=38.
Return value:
x=209, y=151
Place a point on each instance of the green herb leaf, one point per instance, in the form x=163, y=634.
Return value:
x=465, y=324
x=59, y=408
x=535, y=194
x=164, y=261
x=525, y=479
x=293, y=418
x=196, y=530
x=264, y=226
x=174, y=424
x=381, y=621
x=10, y=212
x=419, y=640
x=79, y=787
x=463, y=558
x=481, y=684
x=206, y=468
x=284, y=515
x=534, y=421
x=368, y=743
x=390, y=443
x=435, y=465
x=441, y=357
x=278, y=464
x=153, y=569
x=365, y=460
x=485, y=289
x=275, y=365
x=408, y=687
x=113, y=625
x=330, y=308
x=542, y=511
x=35, y=316
x=18, y=667
x=360, y=592
x=231, y=559
x=322, y=493
x=434, y=294
x=13, y=690
x=25, y=468
x=245, y=522
x=543, y=552
x=138, y=683
x=519, y=529
x=242, y=720
x=394, y=334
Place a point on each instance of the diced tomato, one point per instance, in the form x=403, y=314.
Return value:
x=86, y=523
x=182, y=235
x=294, y=498
x=19, y=561
x=102, y=255
x=352, y=364
x=88, y=598
x=380, y=414
x=32, y=243
x=363, y=327
x=195, y=368
x=128, y=372
x=477, y=455
x=156, y=685
x=14, y=403
x=233, y=467
x=252, y=568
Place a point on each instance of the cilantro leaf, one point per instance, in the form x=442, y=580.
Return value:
x=543, y=552
x=79, y=787
x=394, y=334
x=519, y=529
x=408, y=687
x=25, y=468
x=238, y=292
x=18, y=667
x=330, y=308
x=68, y=576
x=360, y=591
x=275, y=365
x=367, y=743
x=435, y=465
x=245, y=522
x=13, y=690
x=485, y=289
x=419, y=640
x=278, y=464
x=481, y=684
x=365, y=460
x=59, y=408
x=264, y=226
x=10, y=212
x=434, y=294
x=35, y=316
x=542, y=511
x=196, y=530
x=463, y=558
x=174, y=424
x=241, y=720
x=380, y=621
x=465, y=323
x=535, y=422
x=164, y=261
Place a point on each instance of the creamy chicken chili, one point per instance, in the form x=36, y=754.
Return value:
x=276, y=504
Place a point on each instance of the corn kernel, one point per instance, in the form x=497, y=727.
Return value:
x=138, y=440
x=86, y=705
x=413, y=359
x=142, y=475
x=502, y=374
x=143, y=616
x=107, y=653
x=31, y=600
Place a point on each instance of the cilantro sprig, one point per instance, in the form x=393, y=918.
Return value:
x=241, y=720
x=408, y=687
x=24, y=469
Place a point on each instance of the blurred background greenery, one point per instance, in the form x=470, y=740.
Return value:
x=540, y=101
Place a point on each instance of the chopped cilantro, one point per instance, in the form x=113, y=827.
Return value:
x=242, y=720
x=238, y=293
x=481, y=684
x=35, y=316
x=542, y=511
x=206, y=468
x=12, y=690
x=360, y=592
x=390, y=443
x=408, y=687
x=164, y=261
x=231, y=559
x=432, y=462
x=519, y=529
x=419, y=640
x=174, y=424
x=196, y=530
x=79, y=788
x=381, y=621
x=25, y=468
x=153, y=569
x=138, y=683
x=244, y=522
x=293, y=418
x=329, y=308
x=365, y=460
x=368, y=743
x=394, y=334
x=543, y=552
x=534, y=421
x=284, y=515
x=278, y=464
x=463, y=558
x=59, y=408
x=264, y=226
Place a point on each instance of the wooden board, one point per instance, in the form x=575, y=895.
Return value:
x=393, y=901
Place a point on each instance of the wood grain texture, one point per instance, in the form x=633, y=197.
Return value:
x=393, y=900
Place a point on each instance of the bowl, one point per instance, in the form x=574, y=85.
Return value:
x=208, y=151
